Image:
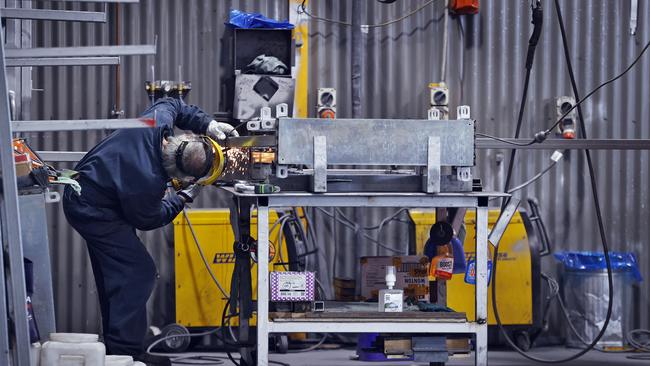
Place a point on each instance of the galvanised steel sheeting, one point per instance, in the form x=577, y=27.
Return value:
x=375, y=141
x=486, y=69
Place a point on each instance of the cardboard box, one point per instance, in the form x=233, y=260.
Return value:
x=292, y=286
x=412, y=276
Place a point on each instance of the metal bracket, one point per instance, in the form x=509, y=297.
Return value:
x=463, y=112
x=319, y=179
x=503, y=221
x=431, y=178
x=464, y=174
x=267, y=122
x=282, y=110
x=433, y=114
x=52, y=196
x=281, y=171
x=253, y=125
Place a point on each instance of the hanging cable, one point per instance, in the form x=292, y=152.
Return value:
x=537, y=21
x=205, y=261
x=601, y=227
x=302, y=9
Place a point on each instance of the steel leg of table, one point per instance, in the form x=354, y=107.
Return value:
x=262, y=285
x=480, y=353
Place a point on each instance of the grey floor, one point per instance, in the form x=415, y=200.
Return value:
x=342, y=357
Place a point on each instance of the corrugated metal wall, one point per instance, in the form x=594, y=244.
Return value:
x=486, y=58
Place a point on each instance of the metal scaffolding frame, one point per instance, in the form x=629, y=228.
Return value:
x=12, y=265
x=14, y=329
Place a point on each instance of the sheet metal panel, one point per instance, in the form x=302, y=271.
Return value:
x=375, y=141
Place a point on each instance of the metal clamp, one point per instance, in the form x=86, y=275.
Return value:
x=463, y=112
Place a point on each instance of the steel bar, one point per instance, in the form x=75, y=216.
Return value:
x=61, y=156
x=89, y=51
x=98, y=1
x=47, y=14
x=562, y=144
x=63, y=61
x=248, y=141
x=11, y=235
x=80, y=125
x=262, y=285
x=415, y=326
x=481, y=287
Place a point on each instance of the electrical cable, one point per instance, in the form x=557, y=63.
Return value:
x=302, y=9
x=579, y=102
x=555, y=158
x=537, y=21
x=312, y=347
x=355, y=228
x=599, y=218
x=505, y=141
x=205, y=261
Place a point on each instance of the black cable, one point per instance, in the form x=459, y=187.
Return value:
x=599, y=217
x=537, y=21
x=504, y=140
x=303, y=9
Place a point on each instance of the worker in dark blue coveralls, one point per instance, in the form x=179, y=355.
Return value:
x=124, y=187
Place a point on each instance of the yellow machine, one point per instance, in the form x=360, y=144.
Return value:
x=518, y=277
x=199, y=302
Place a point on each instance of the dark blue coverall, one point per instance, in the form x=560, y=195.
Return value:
x=123, y=185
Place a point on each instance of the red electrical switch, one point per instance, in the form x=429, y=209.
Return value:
x=464, y=6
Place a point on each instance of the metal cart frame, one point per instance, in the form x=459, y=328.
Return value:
x=477, y=327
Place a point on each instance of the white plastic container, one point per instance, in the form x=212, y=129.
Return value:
x=119, y=361
x=73, y=349
x=35, y=354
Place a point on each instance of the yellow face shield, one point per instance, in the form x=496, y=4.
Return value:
x=218, y=163
x=214, y=166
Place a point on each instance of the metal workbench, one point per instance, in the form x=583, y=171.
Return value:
x=476, y=327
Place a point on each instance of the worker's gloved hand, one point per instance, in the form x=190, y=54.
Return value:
x=220, y=131
x=190, y=193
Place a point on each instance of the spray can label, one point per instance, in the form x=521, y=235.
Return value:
x=444, y=268
x=470, y=273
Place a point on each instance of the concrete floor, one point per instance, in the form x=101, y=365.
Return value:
x=342, y=357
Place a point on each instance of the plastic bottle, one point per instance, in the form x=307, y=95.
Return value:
x=442, y=265
x=391, y=300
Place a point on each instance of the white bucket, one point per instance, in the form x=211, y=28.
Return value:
x=73, y=349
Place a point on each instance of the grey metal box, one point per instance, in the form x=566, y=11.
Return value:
x=252, y=92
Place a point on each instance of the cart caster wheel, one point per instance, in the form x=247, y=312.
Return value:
x=522, y=340
x=281, y=343
x=175, y=344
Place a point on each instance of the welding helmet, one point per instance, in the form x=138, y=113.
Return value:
x=214, y=161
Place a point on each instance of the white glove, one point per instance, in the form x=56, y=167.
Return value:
x=219, y=130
